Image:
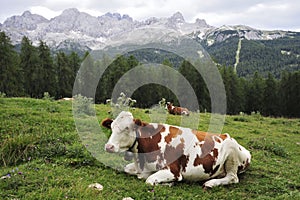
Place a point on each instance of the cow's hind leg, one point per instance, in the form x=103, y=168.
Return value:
x=231, y=169
x=228, y=179
x=162, y=176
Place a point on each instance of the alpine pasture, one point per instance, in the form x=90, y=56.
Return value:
x=42, y=157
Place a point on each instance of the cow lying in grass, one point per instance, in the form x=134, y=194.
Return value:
x=164, y=153
x=174, y=110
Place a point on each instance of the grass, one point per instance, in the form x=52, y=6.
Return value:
x=46, y=158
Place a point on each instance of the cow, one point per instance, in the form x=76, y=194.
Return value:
x=177, y=110
x=165, y=153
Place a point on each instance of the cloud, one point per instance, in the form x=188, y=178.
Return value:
x=45, y=12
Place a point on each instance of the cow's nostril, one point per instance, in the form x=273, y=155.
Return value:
x=109, y=148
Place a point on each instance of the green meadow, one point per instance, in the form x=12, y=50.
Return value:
x=42, y=156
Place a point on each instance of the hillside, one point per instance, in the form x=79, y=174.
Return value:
x=42, y=157
x=263, y=56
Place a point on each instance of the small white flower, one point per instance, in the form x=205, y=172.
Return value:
x=122, y=94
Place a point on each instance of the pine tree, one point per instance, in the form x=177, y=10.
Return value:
x=86, y=84
x=284, y=91
x=293, y=106
x=234, y=95
x=74, y=61
x=270, y=98
x=30, y=66
x=64, y=76
x=10, y=73
x=254, y=96
x=48, y=79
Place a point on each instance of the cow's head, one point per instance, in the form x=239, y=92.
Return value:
x=169, y=106
x=123, y=134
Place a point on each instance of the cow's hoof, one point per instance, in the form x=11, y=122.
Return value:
x=206, y=188
x=152, y=181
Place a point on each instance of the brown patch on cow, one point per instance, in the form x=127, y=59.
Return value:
x=207, y=161
x=208, y=146
x=175, y=159
x=200, y=135
x=215, y=153
x=173, y=133
x=148, y=138
x=217, y=139
x=107, y=123
x=138, y=122
x=223, y=136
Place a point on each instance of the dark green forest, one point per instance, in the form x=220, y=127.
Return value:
x=31, y=71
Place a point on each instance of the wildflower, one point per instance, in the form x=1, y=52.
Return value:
x=122, y=94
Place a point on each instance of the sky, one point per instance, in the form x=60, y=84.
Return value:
x=260, y=14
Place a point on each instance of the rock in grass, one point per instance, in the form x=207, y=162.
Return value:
x=96, y=186
x=127, y=198
x=6, y=176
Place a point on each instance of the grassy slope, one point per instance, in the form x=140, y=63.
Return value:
x=41, y=150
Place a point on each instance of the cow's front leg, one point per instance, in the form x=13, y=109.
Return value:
x=131, y=169
x=162, y=176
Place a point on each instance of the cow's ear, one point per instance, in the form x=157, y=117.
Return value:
x=107, y=123
x=138, y=122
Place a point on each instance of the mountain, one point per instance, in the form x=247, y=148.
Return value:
x=89, y=31
x=241, y=46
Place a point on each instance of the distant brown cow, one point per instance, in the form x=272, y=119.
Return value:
x=174, y=110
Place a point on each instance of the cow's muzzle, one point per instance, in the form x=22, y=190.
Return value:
x=110, y=148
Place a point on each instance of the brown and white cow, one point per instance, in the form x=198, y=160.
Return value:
x=174, y=110
x=165, y=153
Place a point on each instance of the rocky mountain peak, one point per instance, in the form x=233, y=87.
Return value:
x=177, y=18
x=71, y=12
x=26, y=21
x=27, y=13
x=114, y=15
x=202, y=23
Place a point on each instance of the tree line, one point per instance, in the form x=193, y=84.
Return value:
x=268, y=96
x=35, y=70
